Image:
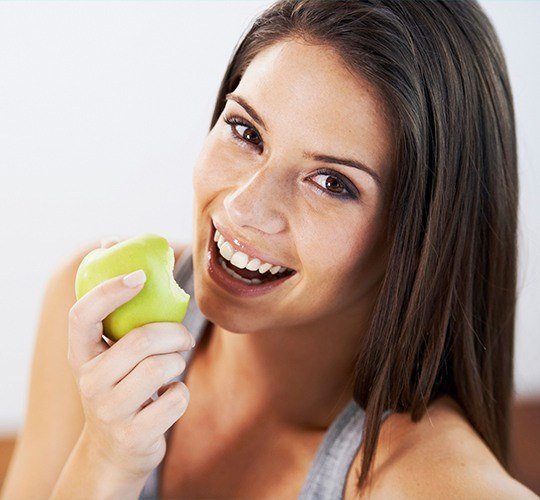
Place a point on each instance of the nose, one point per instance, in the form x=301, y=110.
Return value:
x=259, y=203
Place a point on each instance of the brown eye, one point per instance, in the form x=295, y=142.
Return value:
x=249, y=135
x=335, y=185
x=332, y=184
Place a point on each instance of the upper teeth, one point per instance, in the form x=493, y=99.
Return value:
x=242, y=260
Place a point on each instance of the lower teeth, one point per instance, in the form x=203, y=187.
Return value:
x=254, y=281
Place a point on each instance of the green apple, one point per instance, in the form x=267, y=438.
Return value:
x=161, y=298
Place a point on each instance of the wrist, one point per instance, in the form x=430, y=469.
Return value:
x=89, y=471
x=113, y=472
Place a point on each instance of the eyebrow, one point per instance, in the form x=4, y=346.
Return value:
x=348, y=162
x=240, y=100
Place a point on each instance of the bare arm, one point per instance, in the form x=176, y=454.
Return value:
x=54, y=417
x=86, y=472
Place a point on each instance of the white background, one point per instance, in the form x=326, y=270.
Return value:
x=103, y=109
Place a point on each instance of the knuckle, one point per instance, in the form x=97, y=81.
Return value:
x=107, y=291
x=141, y=341
x=153, y=367
x=103, y=291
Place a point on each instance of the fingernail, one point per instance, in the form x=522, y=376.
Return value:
x=134, y=279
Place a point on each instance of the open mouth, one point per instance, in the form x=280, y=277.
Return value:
x=252, y=278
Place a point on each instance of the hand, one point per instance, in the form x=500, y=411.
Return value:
x=123, y=424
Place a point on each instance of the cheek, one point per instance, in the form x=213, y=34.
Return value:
x=334, y=251
x=343, y=251
x=215, y=165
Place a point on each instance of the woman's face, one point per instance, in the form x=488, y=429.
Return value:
x=261, y=185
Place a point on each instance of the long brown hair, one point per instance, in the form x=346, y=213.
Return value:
x=443, y=322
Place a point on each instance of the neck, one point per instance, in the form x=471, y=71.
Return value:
x=302, y=378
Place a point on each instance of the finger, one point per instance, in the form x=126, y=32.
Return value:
x=145, y=379
x=109, y=241
x=146, y=403
x=161, y=390
x=154, y=396
x=86, y=315
x=160, y=415
x=147, y=340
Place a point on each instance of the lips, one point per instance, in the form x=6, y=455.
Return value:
x=244, y=246
x=246, y=273
x=233, y=285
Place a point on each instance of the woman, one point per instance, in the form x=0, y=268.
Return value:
x=364, y=154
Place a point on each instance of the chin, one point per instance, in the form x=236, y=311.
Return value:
x=230, y=318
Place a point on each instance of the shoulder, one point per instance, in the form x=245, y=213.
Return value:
x=439, y=456
x=54, y=415
x=63, y=275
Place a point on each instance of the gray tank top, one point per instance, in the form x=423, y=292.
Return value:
x=328, y=472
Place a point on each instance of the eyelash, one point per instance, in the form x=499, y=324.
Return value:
x=235, y=120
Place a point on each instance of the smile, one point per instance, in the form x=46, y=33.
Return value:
x=254, y=270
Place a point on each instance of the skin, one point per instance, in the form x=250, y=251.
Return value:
x=269, y=376
x=289, y=354
x=281, y=364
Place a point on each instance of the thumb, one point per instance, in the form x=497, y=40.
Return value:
x=86, y=315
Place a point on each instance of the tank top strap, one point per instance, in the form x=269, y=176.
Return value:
x=196, y=323
x=327, y=476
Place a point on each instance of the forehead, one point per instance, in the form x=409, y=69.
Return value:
x=333, y=110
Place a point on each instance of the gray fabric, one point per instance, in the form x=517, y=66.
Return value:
x=195, y=322
x=327, y=477
x=328, y=472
